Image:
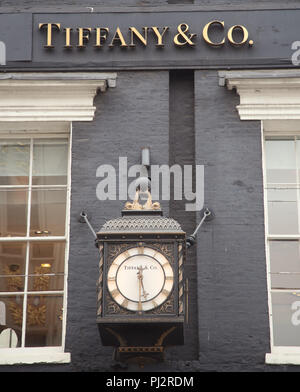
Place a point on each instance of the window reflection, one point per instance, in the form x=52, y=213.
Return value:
x=48, y=212
x=44, y=321
x=286, y=332
x=46, y=266
x=13, y=213
x=14, y=162
x=282, y=211
x=13, y=308
x=31, y=267
x=12, y=266
x=281, y=161
x=50, y=162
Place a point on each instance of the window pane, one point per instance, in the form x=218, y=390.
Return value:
x=13, y=213
x=298, y=158
x=14, y=162
x=11, y=317
x=286, y=321
x=285, y=264
x=12, y=266
x=282, y=211
x=285, y=256
x=43, y=323
x=46, y=266
x=50, y=162
x=48, y=212
x=280, y=161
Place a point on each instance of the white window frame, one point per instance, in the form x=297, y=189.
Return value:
x=40, y=354
x=48, y=102
x=285, y=128
x=273, y=97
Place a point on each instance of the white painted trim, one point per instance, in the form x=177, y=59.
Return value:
x=282, y=359
x=53, y=96
x=14, y=356
x=9, y=129
x=268, y=266
x=67, y=243
x=265, y=95
x=27, y=355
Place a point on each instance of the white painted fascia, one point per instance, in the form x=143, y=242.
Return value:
x=265, y=95
x=51, y=96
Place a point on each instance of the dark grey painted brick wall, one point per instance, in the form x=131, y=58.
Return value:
x=129, y=117
x=182, y=152
x=232, y=291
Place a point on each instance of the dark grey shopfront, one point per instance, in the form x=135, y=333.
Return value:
x=173, y=100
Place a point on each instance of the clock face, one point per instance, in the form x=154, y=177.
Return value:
x=140, y=279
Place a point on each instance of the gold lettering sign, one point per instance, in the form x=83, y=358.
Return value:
x=101, y=35
x=245, y=35
x=205, y=33
x=180, y=36
x=83, y=35
x=49, y=32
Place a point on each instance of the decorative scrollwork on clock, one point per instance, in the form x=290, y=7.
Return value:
x=167, y=249
x=113, y=308
x=166, y=308
x=115, y=249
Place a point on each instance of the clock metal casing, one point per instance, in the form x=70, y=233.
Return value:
x=122, y=321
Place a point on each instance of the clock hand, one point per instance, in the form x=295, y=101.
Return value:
x=144, y=291
x=140, y=277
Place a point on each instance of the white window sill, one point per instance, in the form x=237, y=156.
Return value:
x=282, y=359
x=33, y=355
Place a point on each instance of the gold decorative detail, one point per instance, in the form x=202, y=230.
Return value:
x=149, y=205
x=16, y=312
x=163, y=336
x=186, y=302
x=114, y=308
x=60, y=316
x=14, y=282
x=36, y=315
x=167, y=249
x=121, y=340
x=166, y=307
x=41, y=281
x=100, y=280
x=136, y=349
x=115, y=249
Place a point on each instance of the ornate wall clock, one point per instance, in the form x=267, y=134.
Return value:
x=141, y=287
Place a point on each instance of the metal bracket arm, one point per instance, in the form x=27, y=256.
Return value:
x=84, y=219
x=192, y=238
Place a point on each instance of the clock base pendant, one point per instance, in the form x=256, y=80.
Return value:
x=143, y=342
x=141, y=302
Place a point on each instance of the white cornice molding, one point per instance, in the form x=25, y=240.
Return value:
x=265, y=95
x=51, y=96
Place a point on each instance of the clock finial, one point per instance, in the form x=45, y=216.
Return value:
x=136, y=205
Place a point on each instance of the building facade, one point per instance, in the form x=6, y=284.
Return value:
x=211, y=85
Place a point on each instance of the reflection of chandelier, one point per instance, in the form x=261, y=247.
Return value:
x=36, y=312
x=36, y=315
x=14, y=282
x=41, y=282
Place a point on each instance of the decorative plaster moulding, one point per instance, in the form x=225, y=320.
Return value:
x=265, y=95
x=53, y=96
